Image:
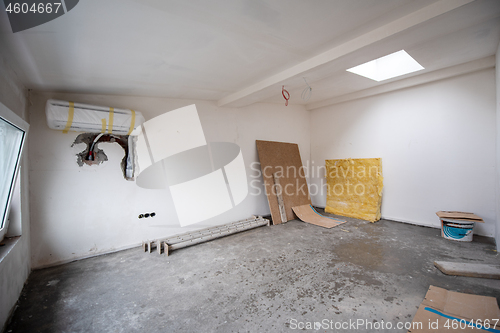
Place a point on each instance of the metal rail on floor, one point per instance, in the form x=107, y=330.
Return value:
x=203, y=235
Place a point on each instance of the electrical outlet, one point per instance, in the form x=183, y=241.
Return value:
x=146, y=215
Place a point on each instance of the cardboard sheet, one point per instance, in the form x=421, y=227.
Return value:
x=284, y=159
x=307, y=213
x=354, y=188
x=440, y=307
x=462, y=216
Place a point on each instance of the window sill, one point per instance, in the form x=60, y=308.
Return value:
x=7, y=245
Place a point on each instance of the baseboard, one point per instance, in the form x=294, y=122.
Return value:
x=385, y=217
x=66, y=261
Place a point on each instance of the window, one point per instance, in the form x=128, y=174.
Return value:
x=392, y=65
x=13, y=132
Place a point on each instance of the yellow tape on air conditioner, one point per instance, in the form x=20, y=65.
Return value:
x=111, y=115
x=132, y=123
x=103, y=129
x=71, y=114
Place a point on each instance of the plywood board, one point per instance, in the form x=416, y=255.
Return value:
x=463, y=216
x=354, y=188
x=284, y=159
x=441, y=307
x=469, y=269
x=307, y=213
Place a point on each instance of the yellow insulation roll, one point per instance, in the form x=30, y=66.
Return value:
x=354, y=188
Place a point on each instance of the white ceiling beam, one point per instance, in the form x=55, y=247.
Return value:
x=390, y=29
x=441, y=74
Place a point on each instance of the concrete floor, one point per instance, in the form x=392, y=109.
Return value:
x=269, y=279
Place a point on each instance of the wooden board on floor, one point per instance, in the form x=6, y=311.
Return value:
x=307, y=213
x=283, y=159
x=462, y=216
x=469, y=269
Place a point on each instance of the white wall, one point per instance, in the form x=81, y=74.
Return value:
x=82, y=211
x=15, y=265
x=436, y=141
x=497, y=68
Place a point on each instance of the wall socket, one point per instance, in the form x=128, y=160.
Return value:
x=146, y=215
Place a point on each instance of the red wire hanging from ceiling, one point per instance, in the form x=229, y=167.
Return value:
x=286, y=94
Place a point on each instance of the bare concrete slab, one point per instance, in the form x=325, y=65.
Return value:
x=269, y=279
x=469, y=269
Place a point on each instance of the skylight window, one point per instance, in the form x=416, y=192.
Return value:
x=392, y=65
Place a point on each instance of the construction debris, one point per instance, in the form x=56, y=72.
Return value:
x=202, y=235
x=469, y=269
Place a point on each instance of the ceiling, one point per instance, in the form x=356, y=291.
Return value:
x=238, y=52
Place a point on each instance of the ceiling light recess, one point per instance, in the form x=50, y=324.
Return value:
x=384, y=68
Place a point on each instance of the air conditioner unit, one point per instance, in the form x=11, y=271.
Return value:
x=69, y=116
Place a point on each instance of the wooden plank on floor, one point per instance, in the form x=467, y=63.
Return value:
x=469, y=269
x=307, y=213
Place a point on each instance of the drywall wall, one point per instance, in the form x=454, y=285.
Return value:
x=12, y=91
x=436, y=141
x=83, y=211
x=497, y=70
x=15, y=263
